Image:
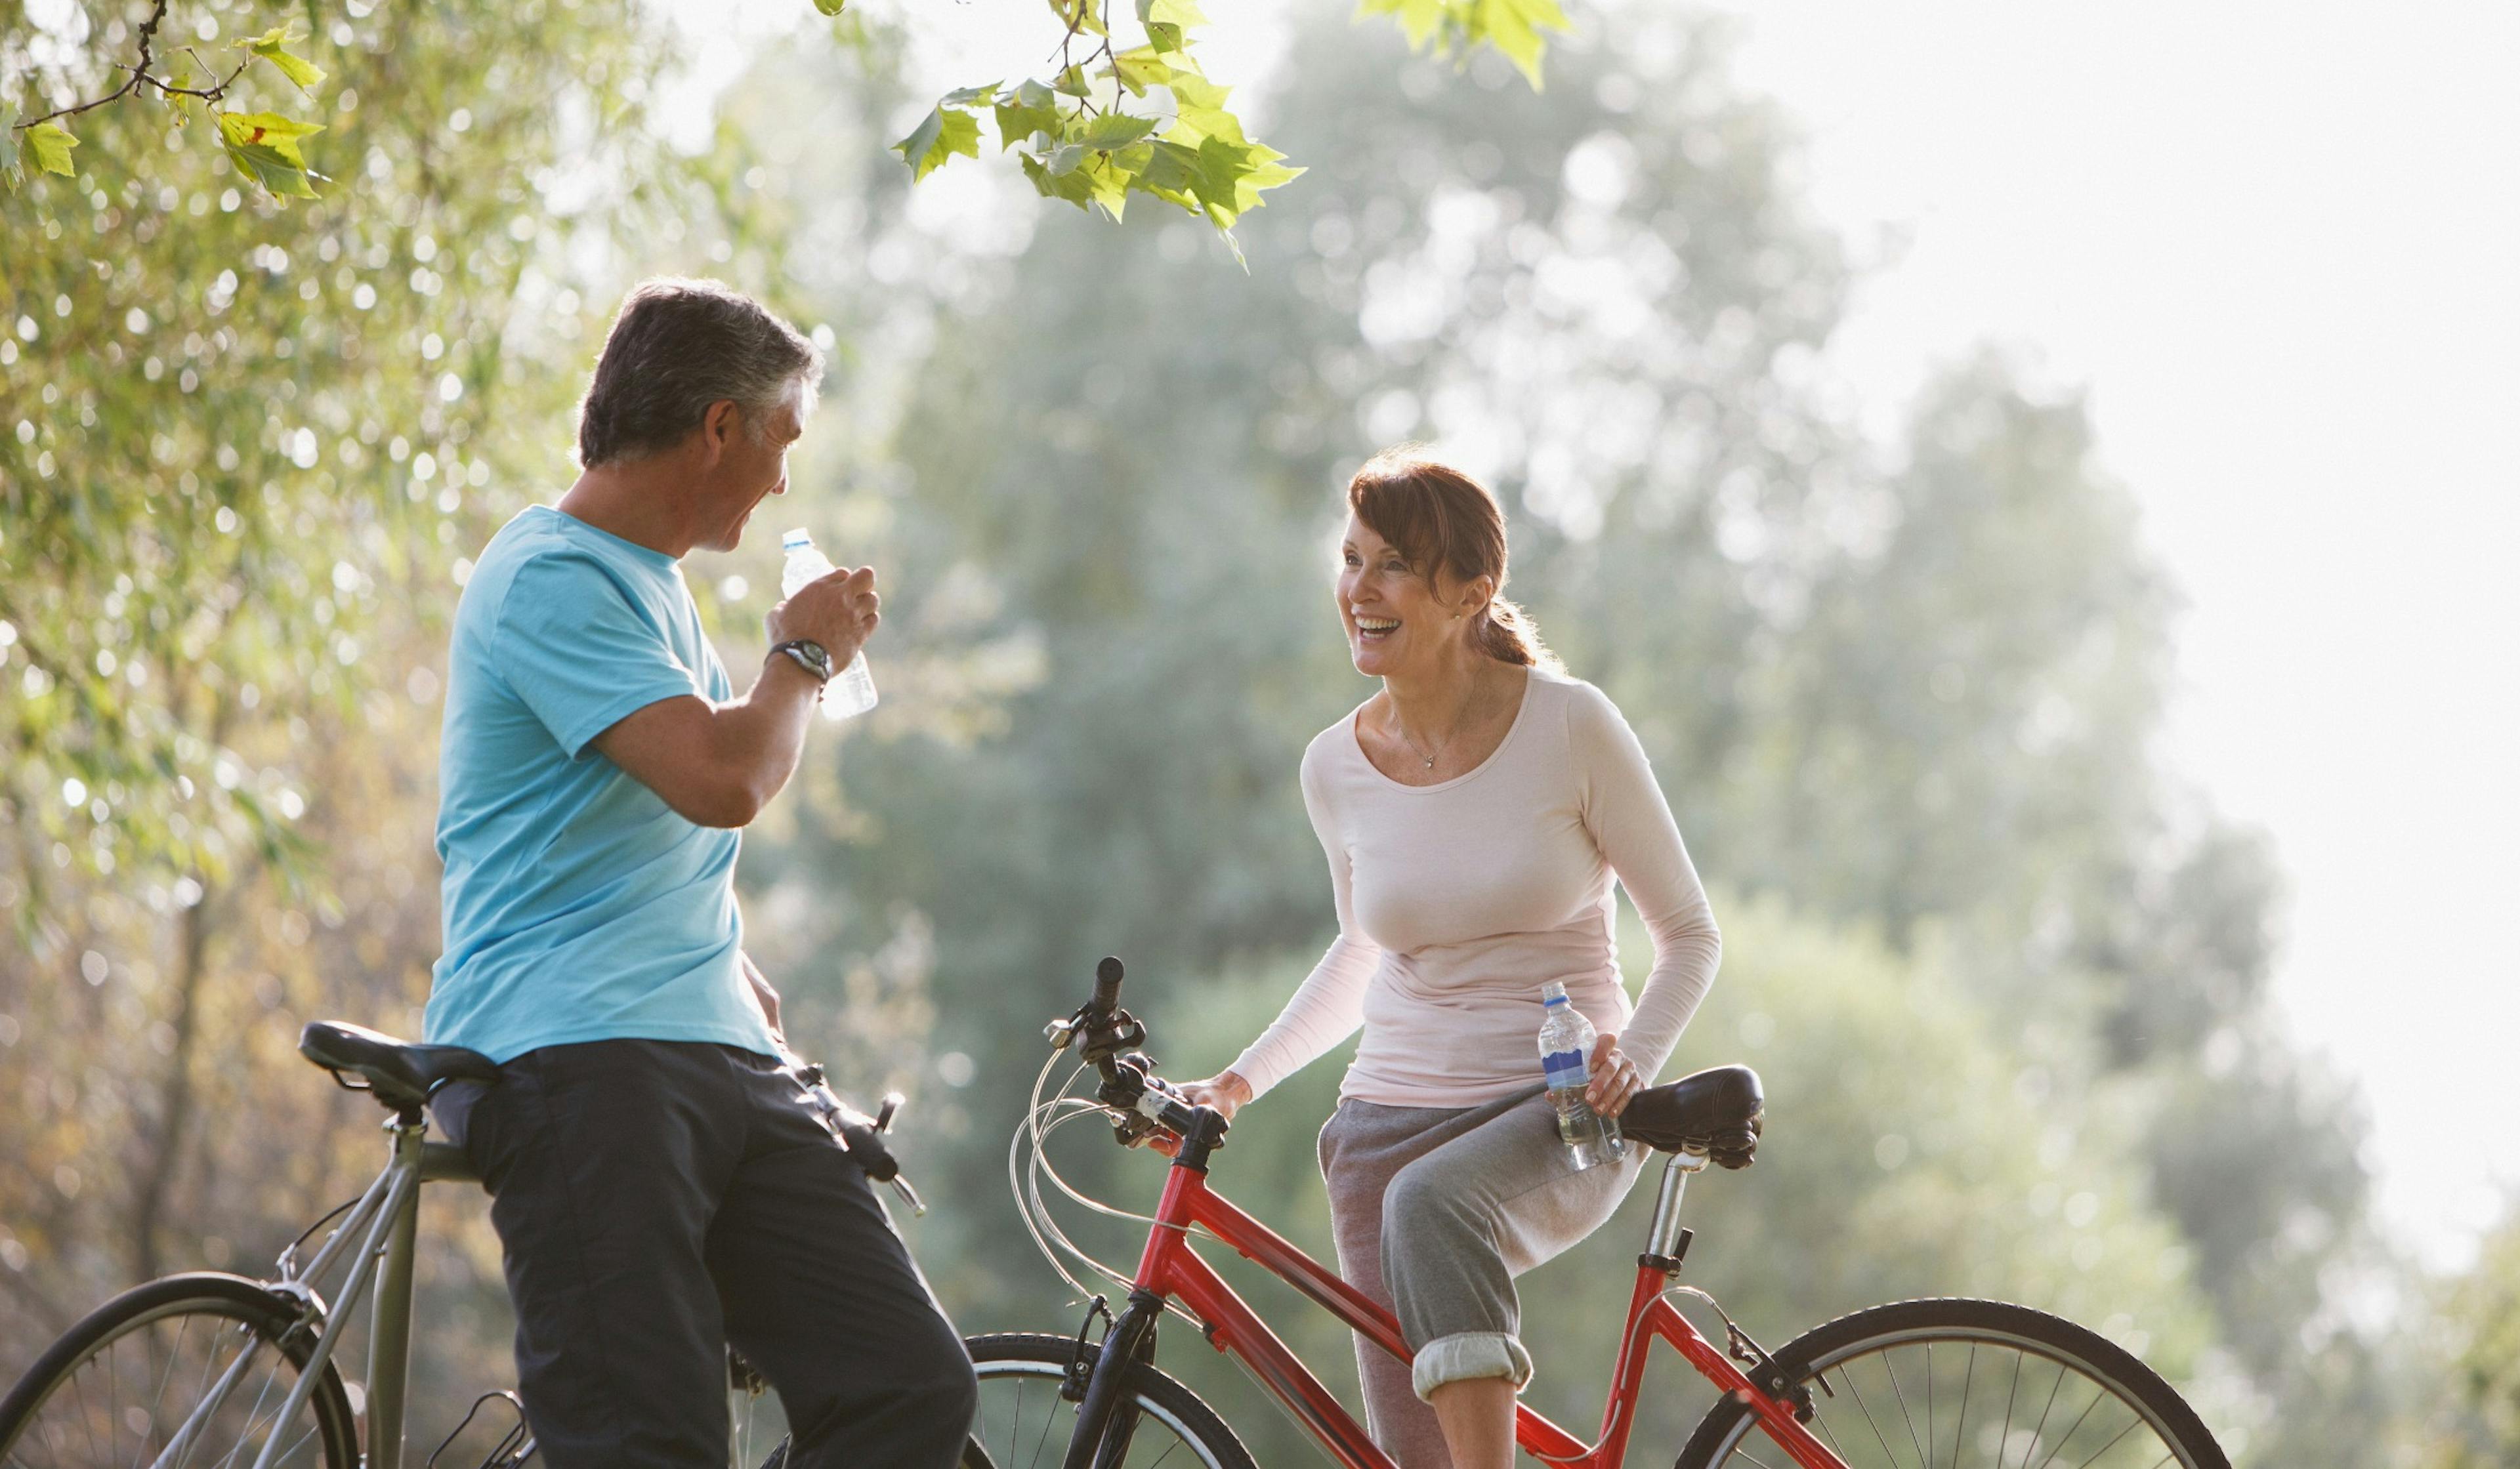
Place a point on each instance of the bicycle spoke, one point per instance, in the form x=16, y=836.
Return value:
x=2078, y=1424
x=1849, y=1379
x=87, y=1420
x=2112, y=1443
x=1891, y=1367
x=1960, y=1430
x=252, y=1416
x=175, y=1354
x=2004, y=1440
x=1015, y=1424
x=1167, y=1453
x=1820, y=1416
x=1047, y=1420
x=1929, y=1406
x=2037, y=1433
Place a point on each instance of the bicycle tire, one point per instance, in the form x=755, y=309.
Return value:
x=1043, y=1358
x=1969, y=1327
x=271, y=1317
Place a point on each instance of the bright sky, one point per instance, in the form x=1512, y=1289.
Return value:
x=2280, y=244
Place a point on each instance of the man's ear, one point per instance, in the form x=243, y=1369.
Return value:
x=718, y=427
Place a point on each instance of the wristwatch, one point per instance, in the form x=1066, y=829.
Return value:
x=810, y=656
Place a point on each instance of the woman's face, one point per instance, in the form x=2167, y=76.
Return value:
x=1395, y=621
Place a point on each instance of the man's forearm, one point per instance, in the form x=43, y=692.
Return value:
x=762, y=735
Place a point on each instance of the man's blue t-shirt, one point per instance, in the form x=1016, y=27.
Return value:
x=578, y=906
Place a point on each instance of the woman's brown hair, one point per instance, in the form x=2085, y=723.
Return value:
x=1441, y=519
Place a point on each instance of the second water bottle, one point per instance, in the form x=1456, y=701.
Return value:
x=1566, y=1058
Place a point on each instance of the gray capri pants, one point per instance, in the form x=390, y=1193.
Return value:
x=1435, y=1209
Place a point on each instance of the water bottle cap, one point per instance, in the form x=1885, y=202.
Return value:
x=794, y=539
x=1548, y=1001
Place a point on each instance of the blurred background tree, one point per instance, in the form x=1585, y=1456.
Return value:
x=2005, y=980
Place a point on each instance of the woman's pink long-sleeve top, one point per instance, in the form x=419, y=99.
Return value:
x=1458, y=900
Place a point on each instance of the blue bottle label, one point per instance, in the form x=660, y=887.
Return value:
x=1566, y=1068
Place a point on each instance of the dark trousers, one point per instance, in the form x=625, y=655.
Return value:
x=658, y=1200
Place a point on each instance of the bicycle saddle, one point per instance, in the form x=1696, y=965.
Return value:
x=1717, y=1110
x=401, y=1074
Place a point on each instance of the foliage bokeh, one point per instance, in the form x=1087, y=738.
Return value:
x=2006, y=979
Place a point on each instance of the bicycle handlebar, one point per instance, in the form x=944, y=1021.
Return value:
x=1141, y=1101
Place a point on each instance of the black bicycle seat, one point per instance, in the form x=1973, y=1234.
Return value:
x=401, y=1074
x=1716, y=1111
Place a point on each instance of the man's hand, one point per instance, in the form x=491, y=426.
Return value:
x=718, y=764
x=764, y=995
x=839, y=611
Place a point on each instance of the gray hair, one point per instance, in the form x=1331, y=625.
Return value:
x=677, y=347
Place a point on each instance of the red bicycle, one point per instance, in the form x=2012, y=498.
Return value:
x=1918, y=1383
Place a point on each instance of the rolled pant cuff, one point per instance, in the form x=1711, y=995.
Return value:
x=1465, y=1356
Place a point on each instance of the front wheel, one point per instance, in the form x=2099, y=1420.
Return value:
x=1025, y=1419
x=192, y=1369
x=1986, y=1386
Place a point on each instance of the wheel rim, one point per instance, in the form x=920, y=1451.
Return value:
x=1023, y=1422
x=130, y=1398
x=1945, y=1398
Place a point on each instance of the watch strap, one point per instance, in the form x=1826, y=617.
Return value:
x=810, y=656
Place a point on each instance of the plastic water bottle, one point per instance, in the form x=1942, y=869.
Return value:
x=852, y=691
x=1566, y=1057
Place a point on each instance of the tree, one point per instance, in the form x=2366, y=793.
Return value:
x=246, y=453
x=1080, y=139
x=1904, y=688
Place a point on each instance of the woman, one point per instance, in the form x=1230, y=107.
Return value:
x=1474, y=812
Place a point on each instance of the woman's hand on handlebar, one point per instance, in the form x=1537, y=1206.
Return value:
x=1225, y=1092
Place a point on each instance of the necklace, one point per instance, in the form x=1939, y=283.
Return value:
x=1426, y=759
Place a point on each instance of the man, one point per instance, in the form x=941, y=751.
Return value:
x=656, y=1183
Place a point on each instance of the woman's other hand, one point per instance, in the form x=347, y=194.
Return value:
x=1225, y=1092
x=1613, y=1080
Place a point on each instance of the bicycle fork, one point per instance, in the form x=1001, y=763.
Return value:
x=1105, y=1421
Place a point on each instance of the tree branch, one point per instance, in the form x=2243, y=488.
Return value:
x=140, y=77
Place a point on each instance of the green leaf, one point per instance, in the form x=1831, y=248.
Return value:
x=1110, y=184
x=272, y=46
x=1029, y=108
x=831, y=7
x=1113, y=130
x=1160, y=37
x=10, y=173
x=1420, y=20
x=1171, y=13
x=965, y=97
x=943, y=133
x=1072, y=82
x=1514, y=27
x=263, y=145
x=1141, y=67
x=1080, y=15
x=1071, y=186
x=48, y=147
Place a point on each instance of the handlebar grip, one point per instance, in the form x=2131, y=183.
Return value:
x=1107, y=985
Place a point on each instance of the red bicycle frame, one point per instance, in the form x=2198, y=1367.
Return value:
x=1171, y=1269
